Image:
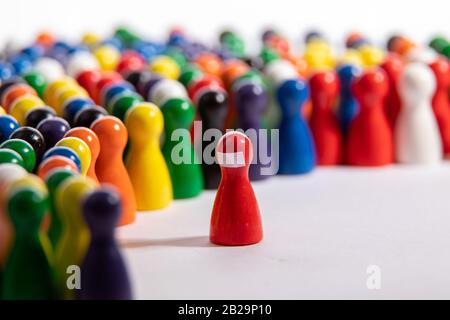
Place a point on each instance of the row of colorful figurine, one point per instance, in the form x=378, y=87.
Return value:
x=58, y=237
x=72, y=253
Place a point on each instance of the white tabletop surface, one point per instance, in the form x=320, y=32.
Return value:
x=322, y=231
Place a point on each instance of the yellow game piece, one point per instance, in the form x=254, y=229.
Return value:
x=22, y=105
x=75, y=237
x=2, y=111
x=54, y=86
x=351, y=56
x=108, y=57
x=165, y=66
x=371, y=56
x=66, y=93
x=90, y=39
x=145, y=162
x=81, y=149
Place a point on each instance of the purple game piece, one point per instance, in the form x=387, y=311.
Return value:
x=53, y=130
x=251, y=102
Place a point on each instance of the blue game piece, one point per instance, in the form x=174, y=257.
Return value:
x=297, y=152
x=116, y=89
x=33, y=52
x=65, y=152
x=7, y=126
x=348, y=106
x=6, y=71
x=21, y=63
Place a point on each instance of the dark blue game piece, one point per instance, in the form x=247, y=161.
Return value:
x=7, y=126
x=104, y=273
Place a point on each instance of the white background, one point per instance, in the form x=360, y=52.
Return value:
x=323, y=230
x=21, y=19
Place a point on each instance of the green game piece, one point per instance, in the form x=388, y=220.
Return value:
x=126, y=36
x=37, y=81
x=27, y=273
x=234, y=44
x=268, y=55
x=251, y=76
x=187, y=178
x=24, y=149
x=120, y=106
x=11, y=156
x=178, y=56
x=53, y=181
x=439, y=43
x=189, y=74
x=446, y=51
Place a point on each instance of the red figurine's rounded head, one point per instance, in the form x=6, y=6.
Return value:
x=324, y=86
x=111, y=132
x=371, y=88
x=393, y=65
x=234, y=150
x=441, y=69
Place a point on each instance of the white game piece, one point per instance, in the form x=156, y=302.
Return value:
x=50, y=68
x=81, y=61
x=417, y=137
x=280, y=70
x=167, y=89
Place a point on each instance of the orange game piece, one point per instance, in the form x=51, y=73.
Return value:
x=209, y=63
x=15, y=92
x=113, y=137
x=91, y=139
x=56, y=162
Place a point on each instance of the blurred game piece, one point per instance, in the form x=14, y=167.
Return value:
x=251, y=101
x=324, y=124
x=53, y=130
x=212, y=106
x=75, y=236
x=370, y=139
x=416, y=132
x=53, y=180
x=348, y=107
x=27, y=272
x=440, y=102
x=393, y=67
x=105, y=274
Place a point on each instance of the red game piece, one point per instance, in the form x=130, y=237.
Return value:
x=393, y=67
x=370, y=140
x=235, y=220
x=441, y=105
x=324, y=123
x=56, y=162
